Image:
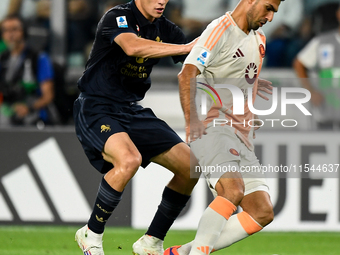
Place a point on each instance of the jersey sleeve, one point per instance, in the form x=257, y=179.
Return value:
x=45, y=69
x=208, y=46
x=309, y=54
x=116, y=22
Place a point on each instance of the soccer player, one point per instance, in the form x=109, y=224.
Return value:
x=322, y=53
x=229, y=51
x=116, y=133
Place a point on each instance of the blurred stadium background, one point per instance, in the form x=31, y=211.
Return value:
x=47, y=186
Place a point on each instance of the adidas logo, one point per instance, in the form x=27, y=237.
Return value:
x=48, y=194
x=238, y=54
x=204, y=249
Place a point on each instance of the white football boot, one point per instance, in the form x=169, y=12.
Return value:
x=89, y=242
x=148, y=245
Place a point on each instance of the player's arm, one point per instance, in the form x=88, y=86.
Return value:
x=302, y=72
x=305, y=60
x=187, y=91
x=135, y=46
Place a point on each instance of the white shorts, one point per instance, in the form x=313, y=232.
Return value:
x=219, y=151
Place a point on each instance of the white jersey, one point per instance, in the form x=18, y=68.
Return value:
x=224, y=54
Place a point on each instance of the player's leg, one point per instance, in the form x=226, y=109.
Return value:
x=120, y=151
x=230, y=189
x=182, y=162
x=256, y=204
x=257, y=213
x=174, y=197
x=214, y=149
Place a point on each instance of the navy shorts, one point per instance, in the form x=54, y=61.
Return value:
x=96, y=119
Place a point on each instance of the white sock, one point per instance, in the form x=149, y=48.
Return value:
x=209, y=229
x=211, y=225
x=231, y=233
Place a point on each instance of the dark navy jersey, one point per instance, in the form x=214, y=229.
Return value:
x=109, y=71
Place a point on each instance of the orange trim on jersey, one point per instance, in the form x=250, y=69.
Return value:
x=263, y=38
x=206, y=43
x=219, y=29
x=231, y=19
x=223, y=207
x=216, y=41
x=248, y=223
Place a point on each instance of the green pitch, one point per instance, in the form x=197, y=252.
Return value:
x=118, y=241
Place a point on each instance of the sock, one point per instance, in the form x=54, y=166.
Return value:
x=170, y=207
x=211, y=225
x=106, y=201
x=238, y=227
x=232, y=232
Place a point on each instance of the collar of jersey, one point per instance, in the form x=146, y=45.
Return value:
x=142, y=21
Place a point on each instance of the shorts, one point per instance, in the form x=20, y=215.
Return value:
x=219, y=151
x=96, y=119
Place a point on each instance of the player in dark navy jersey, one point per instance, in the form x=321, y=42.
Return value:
x=117, y=134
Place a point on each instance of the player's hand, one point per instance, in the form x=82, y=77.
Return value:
x=316, y=97
x=194, y=130
x=21, y=110
x=191, y=44
x=265, y=86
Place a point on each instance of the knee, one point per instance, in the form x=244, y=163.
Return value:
x=264, y=215
x=268, y=216
x=131, y=163
x=234, y=193
x=127, y=166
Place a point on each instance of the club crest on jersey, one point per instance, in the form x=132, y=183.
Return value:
x=204, y=56
x=122, y=22
x=262, y=51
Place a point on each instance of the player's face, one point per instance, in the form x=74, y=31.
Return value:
x=261, y=12
x=151, y=9
x=12, y=32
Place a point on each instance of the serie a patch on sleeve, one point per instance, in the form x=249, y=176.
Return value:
x=203, y=57
x=122, y=22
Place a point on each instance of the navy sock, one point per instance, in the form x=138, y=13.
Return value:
x=170, y=207
x=106, y=202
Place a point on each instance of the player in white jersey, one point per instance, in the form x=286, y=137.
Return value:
x=230, y=51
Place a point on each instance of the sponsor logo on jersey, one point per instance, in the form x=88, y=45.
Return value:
x=251, y=73
x=204, y=56
x=122, y=22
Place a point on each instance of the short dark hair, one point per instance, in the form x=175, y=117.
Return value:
x=16, y=17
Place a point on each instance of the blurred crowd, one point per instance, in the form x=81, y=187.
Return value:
x=32, y=85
